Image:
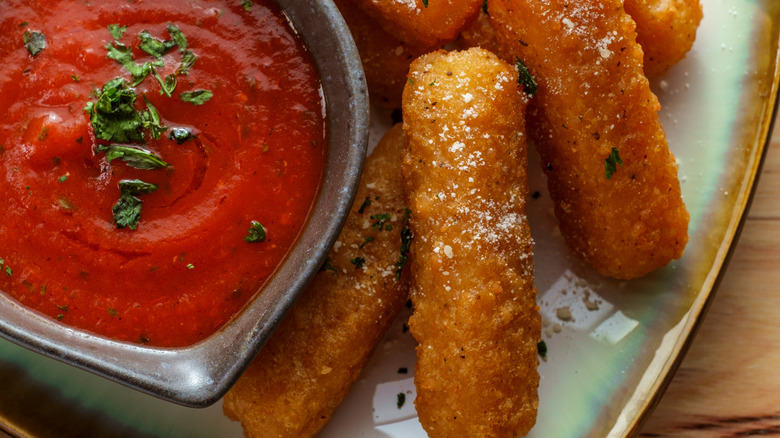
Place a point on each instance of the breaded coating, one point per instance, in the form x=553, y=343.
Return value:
x=423, y=24
x=385, y=59
x=595, y=123
x=480, y=33
x=666, y=30
x=307, y=367
x=475, y=314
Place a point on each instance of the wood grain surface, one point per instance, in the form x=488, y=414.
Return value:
x=729, y=382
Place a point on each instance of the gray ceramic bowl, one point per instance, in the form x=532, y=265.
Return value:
x=199, y=375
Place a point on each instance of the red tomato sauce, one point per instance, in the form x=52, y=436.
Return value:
x=258, y=155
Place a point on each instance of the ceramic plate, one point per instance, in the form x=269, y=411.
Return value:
x=607, y=364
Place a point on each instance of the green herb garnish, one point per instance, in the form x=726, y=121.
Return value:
x=364, y=205
x=541, y=348
x=484, y=7
x=187, y=61
x=178, y=37
x=247, y=4
x=425, y=3
x=180, y=135
x=34, y=41
x=167, y=85
x=406, y=243
x=610, y=164
x=113, y=116
x=134, y=156
x=153, y=46
x=358, y=262
x=150, y=119
x=127, y=211
x=117, y=31
x=63, y=178
x=256, y=233
x=368, y=240
x=525, y=79
x=328, y=266
x=197, y=97
x=400, y=400
x=380, y=223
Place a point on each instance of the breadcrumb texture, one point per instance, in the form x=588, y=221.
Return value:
x=593, y=96
x=475, y=315
x=479, y=34
x=666, y=30
x=385, y=58
x=422, y=27
x=307, y=367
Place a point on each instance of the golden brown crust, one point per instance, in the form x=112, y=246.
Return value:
x=666, y=30
x=307, y=367
x=385, y=59
x=593, y=96
x=420, y=26
x=475, y=314
x=480, y=33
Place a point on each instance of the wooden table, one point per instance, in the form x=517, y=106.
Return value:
x=729, y=382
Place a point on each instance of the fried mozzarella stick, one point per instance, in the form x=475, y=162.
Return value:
x=423, y=24
x=666, y=30
x=475, y=315
x=307, y=367
x=385, y=59
x=595, y=123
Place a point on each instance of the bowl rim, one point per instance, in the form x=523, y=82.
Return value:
x=200, y=374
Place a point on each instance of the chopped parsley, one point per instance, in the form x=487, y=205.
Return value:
x=113, y=116
x=610, y=164
x=187, y=61
x=75, y=78
x=117, y=31
x=256, y=233
x=167, y=85
x=380, y=223
x=197, y=97
x=400, y=400
x=178, y=37
x=247, y=5
x=153, y=46
x=406, y=243
x=358, y=262
x=364, y=205
x=63, y=178
x=134, y=156
x=525, y=79
x=366, y=241
x=150, y=119
x=484, y=7
x=328, y=266
x=541, y=348
x=127, y=211
x=34, y=41
x=425, y=3
x=113, y=312
x=180, y=135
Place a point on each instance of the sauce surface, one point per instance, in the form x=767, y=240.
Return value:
x=257, y=155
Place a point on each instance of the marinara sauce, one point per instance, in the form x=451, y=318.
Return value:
x=248, y=112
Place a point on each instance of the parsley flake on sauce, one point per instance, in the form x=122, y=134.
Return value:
x=180, y=135
x=113, y=116
x=34, y=41
x=153, y=46
x=150, y=119
x=247, y=4
x=134, y=156
x=127, y=211
x=187, y=61
x=178, y=37
x=525, y=79
x=610, y=164
x=197, y=97
x=117, y=31
x=256, y=233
